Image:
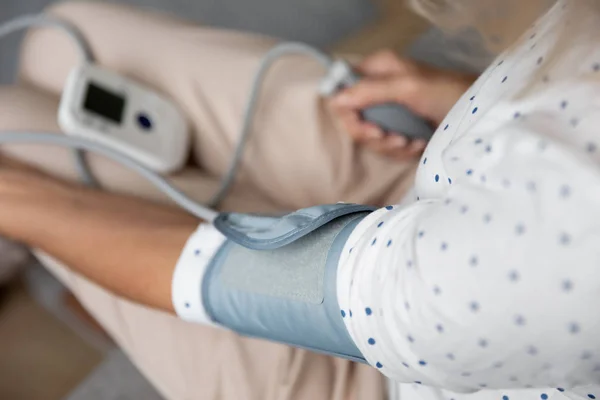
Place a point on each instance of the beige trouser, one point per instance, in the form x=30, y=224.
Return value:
x=295, y=158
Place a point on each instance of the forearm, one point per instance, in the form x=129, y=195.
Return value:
x=126, y=245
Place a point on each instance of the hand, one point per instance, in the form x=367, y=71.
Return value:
x=426, y=91
x=127, y=245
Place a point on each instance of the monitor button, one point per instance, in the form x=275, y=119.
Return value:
x=144, y=121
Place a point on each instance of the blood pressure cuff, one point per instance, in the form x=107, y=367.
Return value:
x=275, y=277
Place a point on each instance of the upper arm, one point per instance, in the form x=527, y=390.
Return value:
x=492, y=284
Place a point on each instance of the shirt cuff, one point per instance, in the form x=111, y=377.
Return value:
x=186, y=287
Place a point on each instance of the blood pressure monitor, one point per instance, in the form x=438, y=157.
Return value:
x=115, y=111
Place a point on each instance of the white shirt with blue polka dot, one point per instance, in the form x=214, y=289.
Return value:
x=488, y=286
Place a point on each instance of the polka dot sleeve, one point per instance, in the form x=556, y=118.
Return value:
x=493, y=283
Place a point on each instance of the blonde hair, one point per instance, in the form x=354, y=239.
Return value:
x=498, y=22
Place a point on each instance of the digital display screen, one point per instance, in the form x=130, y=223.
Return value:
x=104, y=103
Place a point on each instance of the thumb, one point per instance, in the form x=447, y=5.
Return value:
x=384, y=63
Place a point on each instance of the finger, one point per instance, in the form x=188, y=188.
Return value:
x=396, y=141
x=397, y=146
x=359, y=130
x=395, y=153
x=417, y=146
x=383, y=63
x=370, y=132
x=350, y=123
x=402, y=155
x=388, y=144
x=407, y=152
x=370, y=91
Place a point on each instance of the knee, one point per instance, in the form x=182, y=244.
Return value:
x=65, y=9
x=47, y=54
